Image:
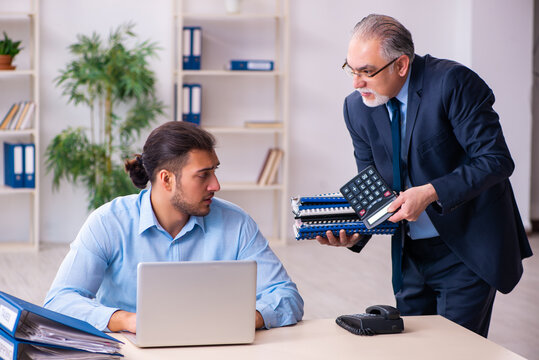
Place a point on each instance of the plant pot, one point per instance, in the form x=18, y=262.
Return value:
x=5, y=62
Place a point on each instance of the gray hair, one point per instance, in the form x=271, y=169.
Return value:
x=395, y=39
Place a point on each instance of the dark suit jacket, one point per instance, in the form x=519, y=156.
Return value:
x=453, y=141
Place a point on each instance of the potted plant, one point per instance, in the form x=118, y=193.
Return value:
x=115, y=82
x=8, y=50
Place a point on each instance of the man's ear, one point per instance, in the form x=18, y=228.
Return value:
x=166, y=179
x=403, y=63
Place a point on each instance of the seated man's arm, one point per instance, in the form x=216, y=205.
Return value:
x=277, y=298
x=79, y=277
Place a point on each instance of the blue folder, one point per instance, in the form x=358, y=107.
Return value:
x=14, y=165
x=29, y=179
x=192, y=47
x=15, y=313
x=192, y=103
x=251, y=65
x=14, y=349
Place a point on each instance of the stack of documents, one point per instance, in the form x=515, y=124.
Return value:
x=28, y=331
x=315, y=215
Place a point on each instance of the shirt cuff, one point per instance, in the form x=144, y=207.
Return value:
x=102, y=317
x=271, y=317
x=364, y=239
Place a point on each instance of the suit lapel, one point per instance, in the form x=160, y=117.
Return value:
x=415, y=89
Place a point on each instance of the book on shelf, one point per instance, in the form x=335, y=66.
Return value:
x=254, y=124
x=276, y=163
x=25, y=105
x=265, y=168
x=19, y=116
x=27, y=121
x=28, y=330
x=268, y=173
x=9, y=116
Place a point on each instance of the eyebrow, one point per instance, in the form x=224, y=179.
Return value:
x=364, y=67
x=209, y=168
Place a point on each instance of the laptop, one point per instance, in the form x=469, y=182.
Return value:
x=195, y=303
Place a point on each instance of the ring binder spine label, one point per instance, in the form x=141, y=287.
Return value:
x=8, y=317
x=6, y=349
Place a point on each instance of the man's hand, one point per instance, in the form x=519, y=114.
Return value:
x=412, y=203
x=259, y=321
x=343, y=240
x=123, y=320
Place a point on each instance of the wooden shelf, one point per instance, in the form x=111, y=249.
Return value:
x=17, y=72
x=30, y=20
x=275, y=15
x=242, y=130
x=228, y=73
x=228, y=17
x=14, y=133
x=243, y=186
x=7, y=190
x=16, y=14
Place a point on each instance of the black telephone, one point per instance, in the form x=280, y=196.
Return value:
x=378, y=319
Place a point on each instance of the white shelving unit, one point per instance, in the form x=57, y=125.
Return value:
x=26, y=74
x=216, y=25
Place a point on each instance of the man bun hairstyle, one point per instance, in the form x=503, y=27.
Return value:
x=395, y=39
x=167, y=147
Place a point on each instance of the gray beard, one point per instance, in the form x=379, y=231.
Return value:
x=378, y=99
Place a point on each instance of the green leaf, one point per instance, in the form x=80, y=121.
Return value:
x=116, y=72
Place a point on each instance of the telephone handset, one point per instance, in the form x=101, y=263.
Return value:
x=378, y=319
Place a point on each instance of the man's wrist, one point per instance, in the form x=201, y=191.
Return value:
x=120, y=320
x=432, y=195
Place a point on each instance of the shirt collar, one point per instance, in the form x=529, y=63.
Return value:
x=148, y=218
x=402, y=96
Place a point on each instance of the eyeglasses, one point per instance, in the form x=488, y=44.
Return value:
x=365, y=73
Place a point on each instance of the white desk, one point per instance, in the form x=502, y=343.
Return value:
x=424, y=337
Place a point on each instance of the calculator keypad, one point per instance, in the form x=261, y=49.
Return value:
x=369, y=195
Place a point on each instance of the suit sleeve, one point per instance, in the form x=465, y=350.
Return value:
x=467, y=102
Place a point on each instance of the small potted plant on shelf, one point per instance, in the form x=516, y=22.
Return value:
x=8, y=50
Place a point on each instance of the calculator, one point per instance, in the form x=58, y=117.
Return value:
x=370, y=196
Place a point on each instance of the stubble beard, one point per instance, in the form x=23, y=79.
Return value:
x=181, y=205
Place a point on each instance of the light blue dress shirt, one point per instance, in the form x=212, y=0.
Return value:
x=422, y=228
x=99, y=274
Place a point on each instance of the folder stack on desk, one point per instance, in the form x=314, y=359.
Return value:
x=315, y=215
x=28, y=331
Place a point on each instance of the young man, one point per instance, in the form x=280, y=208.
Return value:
x=429, y=128
x=176, y=219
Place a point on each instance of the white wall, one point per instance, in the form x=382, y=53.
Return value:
x=493, y=37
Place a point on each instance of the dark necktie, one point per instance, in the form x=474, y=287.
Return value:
x=396, y=240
